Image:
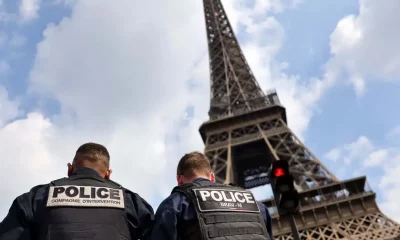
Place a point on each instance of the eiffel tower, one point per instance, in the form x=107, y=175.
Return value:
x=248, y=130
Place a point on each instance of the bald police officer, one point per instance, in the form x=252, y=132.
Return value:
x=86, y=205
x=199, y=209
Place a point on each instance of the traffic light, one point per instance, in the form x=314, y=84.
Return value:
x=286, y=195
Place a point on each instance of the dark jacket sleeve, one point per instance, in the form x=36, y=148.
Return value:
x=165, y=227
x=168, y=214
x=267, y=218
x=140, y=215
x=268, y=223
x=16, y=225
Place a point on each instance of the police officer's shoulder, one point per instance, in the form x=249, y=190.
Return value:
x=59, y=180
x=26, y=197
x=173, y=197
x=183, y=191
x=133, y=197
x=172, y=202
x=128, y=193
x=184, y=187
x=25, y=201
x=41, y=189
x=115, y=183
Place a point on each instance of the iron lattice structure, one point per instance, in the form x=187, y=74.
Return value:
x=248, y=130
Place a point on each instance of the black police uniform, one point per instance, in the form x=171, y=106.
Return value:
x=223, y=212
x=83, y=206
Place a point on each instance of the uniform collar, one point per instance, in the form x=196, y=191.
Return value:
x=201, y=180
x=86, y=171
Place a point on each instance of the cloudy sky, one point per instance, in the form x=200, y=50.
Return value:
x=133, y=75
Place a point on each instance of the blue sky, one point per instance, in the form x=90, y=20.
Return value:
x=137, y=80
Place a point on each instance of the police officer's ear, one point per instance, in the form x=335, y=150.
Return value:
x=70, y=169
x=108, y=173
x=212, y=177
x=179, y=179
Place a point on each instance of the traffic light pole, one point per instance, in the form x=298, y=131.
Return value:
x=292, y=220
x=295, y=231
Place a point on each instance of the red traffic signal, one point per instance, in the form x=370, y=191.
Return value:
x=280, y=168
x=279, y=172
x=281, y=179
x=282, y=183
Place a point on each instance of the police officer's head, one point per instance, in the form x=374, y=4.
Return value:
x=193, y=165
x=92, y=155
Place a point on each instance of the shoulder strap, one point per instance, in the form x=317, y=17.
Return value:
x=58, y=181
x=185, y=187
x=115, y=183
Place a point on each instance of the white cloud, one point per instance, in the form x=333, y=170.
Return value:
x=385, y=165
x=346, y=35
x=358, y=149
x=333, y=154
x=9, y=109
x=366, y=46
x=376, y=158
x=390, y=185
x=28, y=9
x=395, y=131
x=4, y=68
x=359, y=85
x=26, y=159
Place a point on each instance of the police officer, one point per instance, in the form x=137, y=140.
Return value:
x=86, y=205
x=199, y=209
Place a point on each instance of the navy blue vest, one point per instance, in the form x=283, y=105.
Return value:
x=83, y=207
x=223, y=212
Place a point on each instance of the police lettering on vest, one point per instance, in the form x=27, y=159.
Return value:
x=85, y=196
x=209, y=200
